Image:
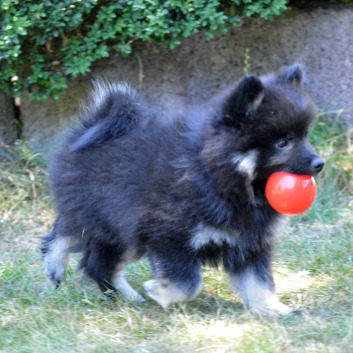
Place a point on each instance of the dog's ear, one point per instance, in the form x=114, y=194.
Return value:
x=243, y=101
x=293, y=75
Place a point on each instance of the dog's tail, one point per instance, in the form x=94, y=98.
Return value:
x=115, y=109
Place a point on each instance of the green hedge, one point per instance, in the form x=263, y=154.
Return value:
x=45, y=43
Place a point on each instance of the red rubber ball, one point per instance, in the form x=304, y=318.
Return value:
x=290, y=194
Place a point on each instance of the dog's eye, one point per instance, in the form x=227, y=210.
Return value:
x=282, y=143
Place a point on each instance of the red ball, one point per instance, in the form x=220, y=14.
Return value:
x=290, y=194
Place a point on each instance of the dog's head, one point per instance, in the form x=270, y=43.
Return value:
x=265, y=122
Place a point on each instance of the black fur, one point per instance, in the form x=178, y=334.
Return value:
x=129, y=183
x=116, y=114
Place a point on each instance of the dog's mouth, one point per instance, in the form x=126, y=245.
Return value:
x=260, y=182
x=312, y=168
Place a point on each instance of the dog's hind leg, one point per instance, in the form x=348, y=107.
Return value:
x=105, y=264
x=120, y=284
x=56, y=250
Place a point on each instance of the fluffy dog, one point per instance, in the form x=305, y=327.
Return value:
x=183, y=190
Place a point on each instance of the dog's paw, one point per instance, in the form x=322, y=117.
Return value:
x=121, y=285
x=56, y=259
x=274, y=309
x=54, y=272
x=158, y=291
x=133, y=297
x=164, y=292
x=136, y=298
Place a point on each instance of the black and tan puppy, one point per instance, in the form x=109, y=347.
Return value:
x=183, y=190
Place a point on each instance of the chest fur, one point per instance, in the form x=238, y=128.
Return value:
x=206, y=235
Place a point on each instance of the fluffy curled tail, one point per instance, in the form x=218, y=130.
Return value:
x=115, y=110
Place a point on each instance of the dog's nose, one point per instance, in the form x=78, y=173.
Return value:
x=317, y=164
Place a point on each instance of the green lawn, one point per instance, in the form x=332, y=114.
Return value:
x=313, y=269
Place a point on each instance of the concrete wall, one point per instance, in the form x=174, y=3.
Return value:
x=321, y=39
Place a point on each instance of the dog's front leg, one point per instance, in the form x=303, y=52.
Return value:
x=254, y=283
x=177, y=276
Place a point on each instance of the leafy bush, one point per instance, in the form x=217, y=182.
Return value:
x=45, y=43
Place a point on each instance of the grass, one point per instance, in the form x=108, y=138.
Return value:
x=313, y=269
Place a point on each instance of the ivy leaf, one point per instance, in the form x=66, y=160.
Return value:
x=73, y=34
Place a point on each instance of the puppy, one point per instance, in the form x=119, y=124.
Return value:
x=183, y=190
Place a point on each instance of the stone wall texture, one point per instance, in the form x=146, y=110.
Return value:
x=320, y=39
x=8, y=129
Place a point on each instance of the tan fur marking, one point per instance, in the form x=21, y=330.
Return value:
x=165, y=293
x=120, y=283
x=57, y=258
x=257, y=297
